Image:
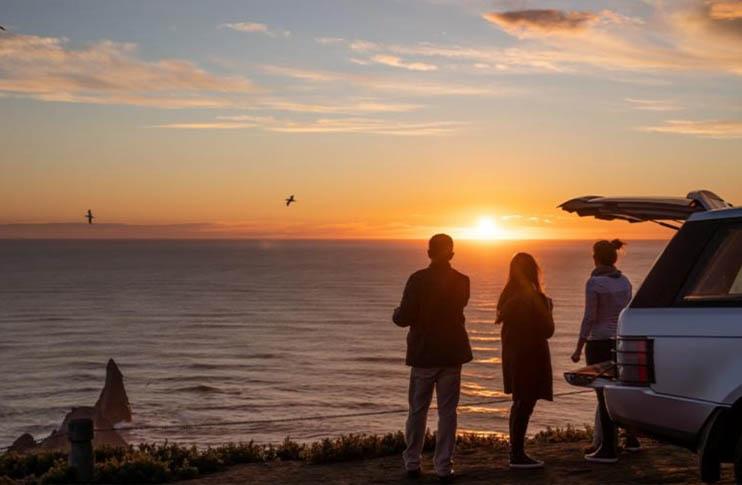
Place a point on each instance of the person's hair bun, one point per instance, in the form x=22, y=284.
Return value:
x=618, y=244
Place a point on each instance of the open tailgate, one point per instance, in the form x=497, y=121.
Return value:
x=640, y=209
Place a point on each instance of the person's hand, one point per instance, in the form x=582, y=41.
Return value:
x=576, y=356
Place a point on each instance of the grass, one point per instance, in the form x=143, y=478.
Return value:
x=160, y=463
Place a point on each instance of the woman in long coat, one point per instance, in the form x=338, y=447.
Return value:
x=527, y=323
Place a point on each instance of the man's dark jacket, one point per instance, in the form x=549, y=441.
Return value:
x=433, y=307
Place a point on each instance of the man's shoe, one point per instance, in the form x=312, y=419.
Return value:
x=632, y=444
x=524, y=462
x=602, y=456
x=447, y=478
x=414, y=474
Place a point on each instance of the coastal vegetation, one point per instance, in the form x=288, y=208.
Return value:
x=166, y=462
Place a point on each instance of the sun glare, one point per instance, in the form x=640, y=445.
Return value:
x=486, y=229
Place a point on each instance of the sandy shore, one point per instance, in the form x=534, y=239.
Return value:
x=655, y=464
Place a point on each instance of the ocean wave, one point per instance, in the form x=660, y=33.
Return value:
x=205, y=389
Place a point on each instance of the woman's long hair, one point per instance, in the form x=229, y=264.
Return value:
x=524, y=278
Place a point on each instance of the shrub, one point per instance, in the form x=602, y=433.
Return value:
x=138, y=467
x=157, y=463
x=18, y=466
x=570, y=434
x=60, y=472
x=236, y=453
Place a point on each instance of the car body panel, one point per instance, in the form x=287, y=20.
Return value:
x=681, y=322
x=697, y=351
x=675, y=419
x=717, y=214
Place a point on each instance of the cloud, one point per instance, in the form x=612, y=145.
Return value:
x=363, y=45
x=654, y=104
x=108, y=72
x=395, y=61
x=720, y=17
x=683, y=35
x=255, y=27
x=522, y=22
x=329, y=40
x=725, y=9
x=719, y=129
x=333, y=107
x=215, y=125
x=374, y=126
x=411, y=87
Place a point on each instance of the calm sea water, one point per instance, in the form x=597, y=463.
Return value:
x=248, y=330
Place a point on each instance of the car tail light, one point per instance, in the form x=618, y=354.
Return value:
x=635, y=360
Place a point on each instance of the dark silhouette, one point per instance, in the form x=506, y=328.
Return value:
x=290, y=200
x=2, y=28
x=89, y=216
x=607, y=292
x=527, y=323
x=437, y=345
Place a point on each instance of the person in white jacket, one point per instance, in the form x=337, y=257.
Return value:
x=607, y=292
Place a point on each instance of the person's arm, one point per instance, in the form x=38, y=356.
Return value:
x=465, y=292
x=588, y=320
x=407, y=311
x=548, y=318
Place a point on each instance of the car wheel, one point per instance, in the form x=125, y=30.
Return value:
x=738, y=460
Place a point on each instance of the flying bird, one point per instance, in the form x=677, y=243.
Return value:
x=2, y=28
x=290, y=200
x=89, y=216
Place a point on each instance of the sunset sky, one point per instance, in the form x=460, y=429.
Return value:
x=385, y=118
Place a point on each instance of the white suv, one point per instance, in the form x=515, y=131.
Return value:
x=678, y=361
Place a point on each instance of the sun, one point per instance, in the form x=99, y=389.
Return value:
x=486, y=230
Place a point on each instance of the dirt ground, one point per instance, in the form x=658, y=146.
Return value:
x=655, y=464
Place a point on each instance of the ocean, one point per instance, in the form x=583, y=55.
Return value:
x=221, y=331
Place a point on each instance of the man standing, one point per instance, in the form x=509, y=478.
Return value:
x=437, y=345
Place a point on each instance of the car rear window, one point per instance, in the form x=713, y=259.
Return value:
x=699, y=267
x=717, y=276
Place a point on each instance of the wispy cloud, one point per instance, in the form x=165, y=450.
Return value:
x=108, y=72
x=335, y=107
x=209, y=125
x=410, y=87
x=523, y=22
x=725, y=9
x=719, y=129
x=373, y=126
x=394, y=61
x=654, y=104
x=329, y=40
x=255, y=27
x=691, y=35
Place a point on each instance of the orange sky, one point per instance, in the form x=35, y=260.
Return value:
x=386, y=119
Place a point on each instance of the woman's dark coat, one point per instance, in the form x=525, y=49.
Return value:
x=527, y=324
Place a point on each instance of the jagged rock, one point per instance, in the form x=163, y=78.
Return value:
x=24, y=443
x=112, y=407
x=113, y=403
x=104, y=435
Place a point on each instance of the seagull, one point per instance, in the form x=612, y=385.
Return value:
x=89, y=216
x=290, y=200
x=2, y=28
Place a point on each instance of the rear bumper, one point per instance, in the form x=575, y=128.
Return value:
x=669, y=418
